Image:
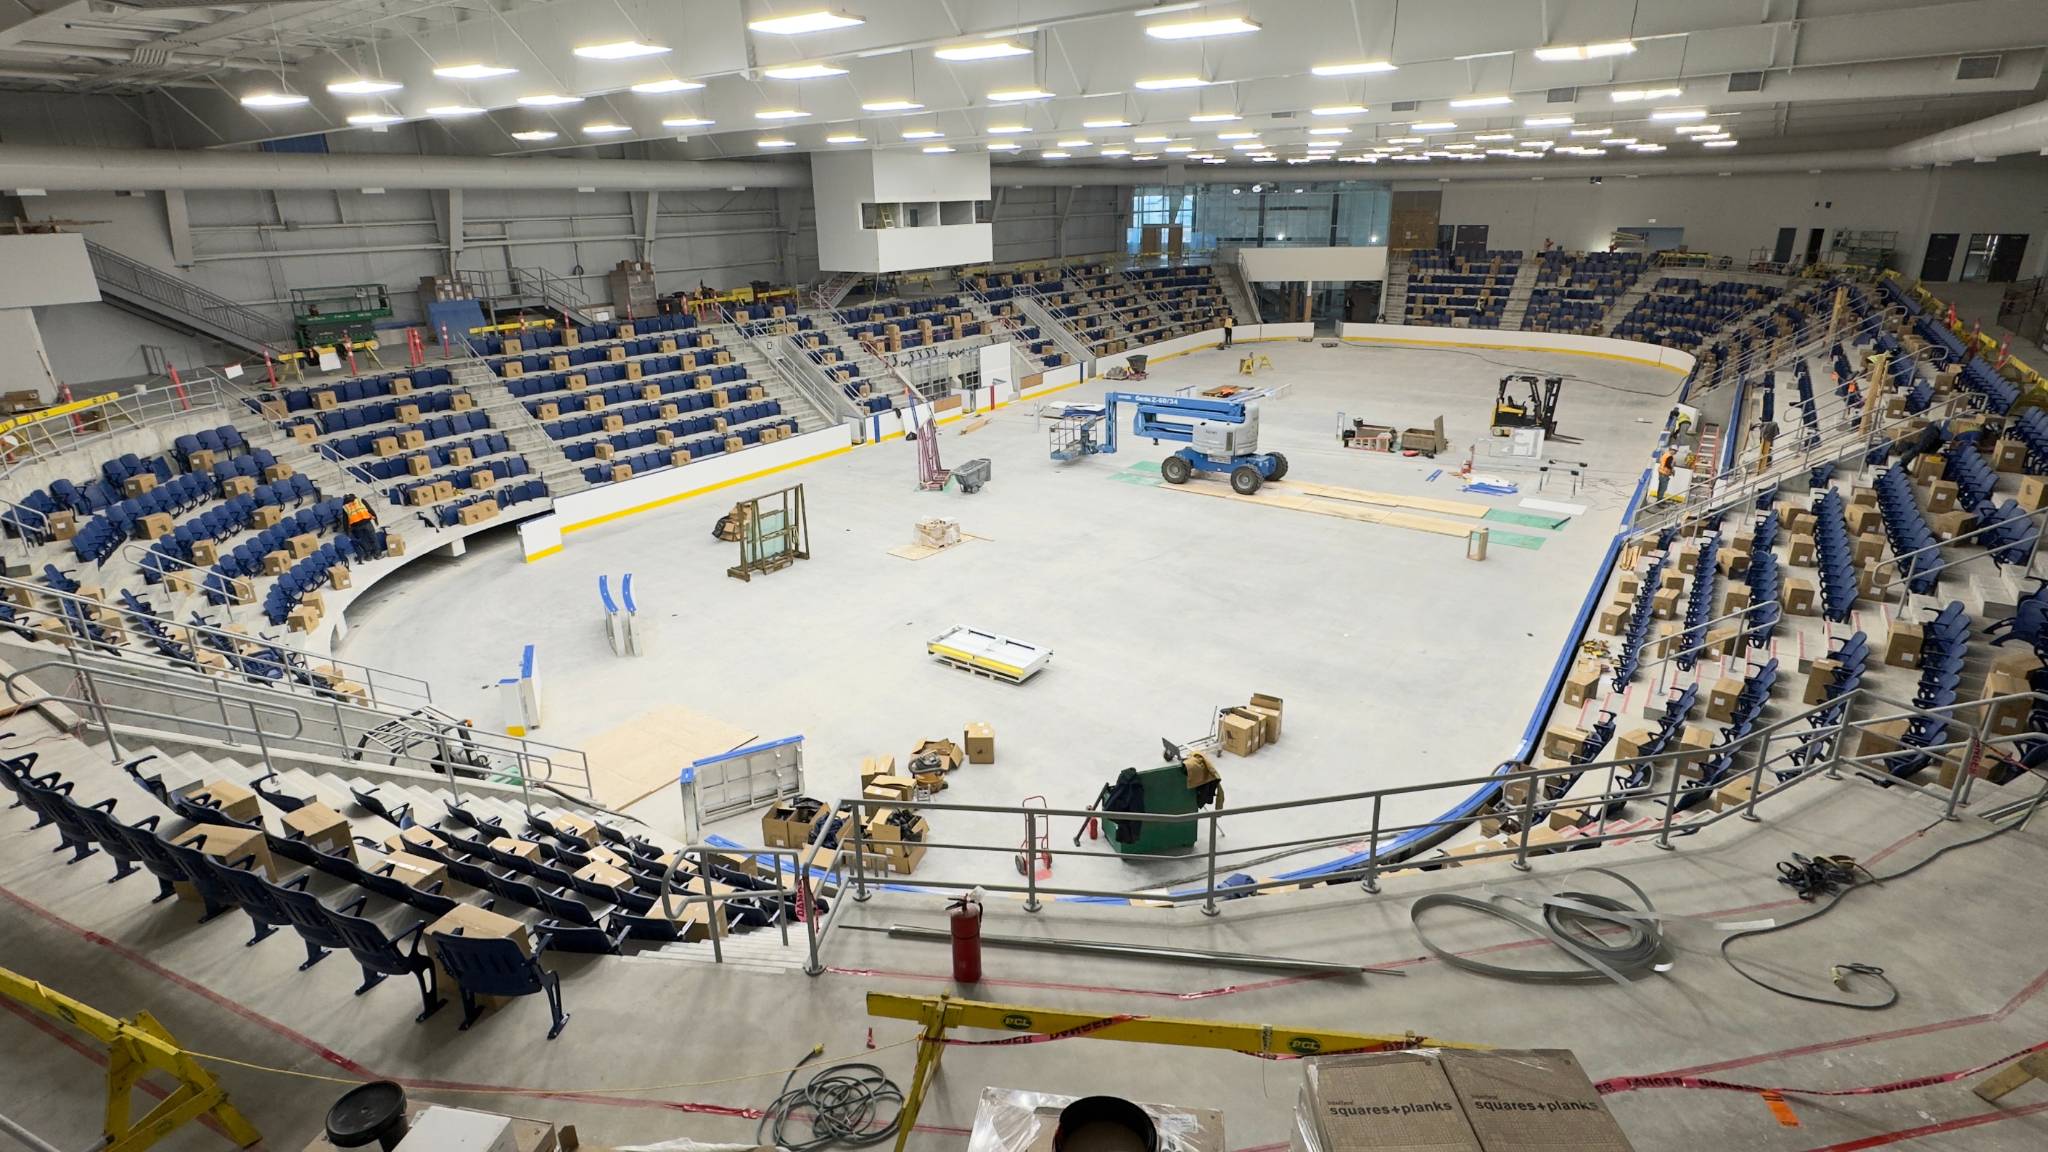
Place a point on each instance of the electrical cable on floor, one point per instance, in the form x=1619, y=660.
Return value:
x=841, y=1103
x=1580, y=924
x=1847, y=973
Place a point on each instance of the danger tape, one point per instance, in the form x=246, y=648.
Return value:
x=1045, y=1038
x=1637, y=1083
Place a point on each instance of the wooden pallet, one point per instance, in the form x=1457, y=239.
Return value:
x=976, y=669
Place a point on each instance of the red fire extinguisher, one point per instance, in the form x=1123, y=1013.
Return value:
x=965, y=924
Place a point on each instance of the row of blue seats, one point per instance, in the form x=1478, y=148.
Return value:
x=635, y=347
x=359, y=388
x=1445, y=319
x=911, y=338
x=2005, y=531
x=896, y=312
x=2029, y=622
x=438, y=455
x=497, y=468
x=754, y=329
x=586, y=423
x=309, y=574
x=1979, y=377
x=124, y=520
x=1719, y=766
x=488, y=345
x=659, y=371
x=675, y=389
x=244, y=562
x=663, y=457
x=2031, y=427
x=1905, y=525
x=1968, y=470
x=440, y=428
x=1678, y=704
x=450, y=514
x=705, y=442
x=1833, y=555
x=1943, y=649
x=1699, y=603
x=1440, y=279
x=376, y=412
x=221, y=521
x=226, y=440
x=1637, y=632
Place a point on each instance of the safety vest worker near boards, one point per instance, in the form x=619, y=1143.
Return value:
x=1667, y=461
x=356, y=511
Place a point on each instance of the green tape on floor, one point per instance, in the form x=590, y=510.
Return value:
x=1145, y=473
x=1514, y=539
x=1151, y=466
x=1527, y=519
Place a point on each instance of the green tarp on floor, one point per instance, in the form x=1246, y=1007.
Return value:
x=1526, y=519
x=1514, y=539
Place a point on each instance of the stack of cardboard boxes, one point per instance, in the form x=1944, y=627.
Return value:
x=1247, y=729
x=1449, y=1100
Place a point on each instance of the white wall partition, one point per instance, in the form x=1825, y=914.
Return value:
x=1322, y=265
x=1414, y=335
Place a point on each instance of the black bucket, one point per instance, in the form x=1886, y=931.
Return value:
x=1105, y=1124
x=366, y=1114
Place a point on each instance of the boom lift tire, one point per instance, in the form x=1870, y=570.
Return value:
x=1176, y=469
x=1279, y=466
x=1245, y=480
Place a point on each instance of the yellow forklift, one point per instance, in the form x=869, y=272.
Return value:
x=1538, y=411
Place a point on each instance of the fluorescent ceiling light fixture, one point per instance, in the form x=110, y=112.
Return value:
x=1492, y=136
x=687, y=122
x=1053, y=155
x=659, y=87
x=273, y=100
x=535, y=136
x=1432, y=126
x=1646, y=147
x=923, y=134
x=1713, y=136
x=1718, y=143
x=822, y=20
x=1194, y=29
x=934, y=149
x=1237, y=135
x=453, y=111
x=606, y=128
x=1335, y=130
x=1358, y=68
x=991, y=50
x=1404, y=140
x=1561, y=52
x=1114, y=152
x=1151, y=139
x=1166, y=83
x=1108, y=124
x=1213, y=117
x=1483, y=55
x=1591, y=131
x=1611, y=141
x=1416, y=156
x=1015, y=95
x=1702, y=129
x=371, y=119
x=1072, y=143
x=1267, y=159
x=1482, y=101
x=549, y=100
x=1145, y=156
x=1500, y=151
x=781, y=114
x=774, y=142
x=1337, y=110
x=620, y=50
x=363, y=86
x=802, y=72
x=1459, y=147
x=1536, y=143
x=1004, y=146
x=1545, y=121
x=1632, y=95
x=472, y=71
x=1679, y=114
x=1007, y=129
x=1182, y=149
x=846, y=139
x=1247, y=146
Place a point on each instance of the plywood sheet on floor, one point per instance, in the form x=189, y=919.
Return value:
x=924, y=551
x=1273, y=498
x=1386, y=499
x=645, y=753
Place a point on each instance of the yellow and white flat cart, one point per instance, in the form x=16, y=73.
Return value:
x=987, y=654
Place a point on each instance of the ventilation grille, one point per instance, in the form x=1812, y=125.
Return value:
x=1561, y=96
x=1978, y=67
x=1402, y=106
x=1745, y=82
x=1284, y=115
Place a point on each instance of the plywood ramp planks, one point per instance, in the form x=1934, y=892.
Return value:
x=1465, y=508
x=645, y=753
x=1275, y=497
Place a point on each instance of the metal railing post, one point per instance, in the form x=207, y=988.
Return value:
x=1209, y=907
x=1031, y=903
x=795, y=862
x=262, y=745
x=1756, y=781
x=1372, y=862
x=812, y=966
x=92, y=693
x=860, y=852
x=1528, y=818
x=1670, y=806
x=716, y=910
x=1963, y=772
x=220, y=698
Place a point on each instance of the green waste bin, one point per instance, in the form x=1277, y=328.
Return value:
x=1166, y=793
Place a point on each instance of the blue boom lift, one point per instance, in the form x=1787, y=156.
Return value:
x=1222, y=436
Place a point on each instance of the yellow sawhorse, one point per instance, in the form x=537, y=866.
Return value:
x=939, y=1014
x=1251, y=364
x=135, y=1048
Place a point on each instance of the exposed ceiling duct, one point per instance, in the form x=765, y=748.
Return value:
x=108, y=169
x=2020, y=130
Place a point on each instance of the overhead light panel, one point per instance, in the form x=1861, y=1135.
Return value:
x=1334, y=130
x=1611, y=141
x=1358, y=68
x=1247, y=146
x=1004, y=146
x=1482, y=101
x=1679, y=114
x=1546, y=121
x=1705, y=137
x=1007, y=129
x=1493, y=136
x=1337, y=110
x=935, y=149
x=363, y=86
x=1180, y=149
x=1018, y=95
x=1167, y=83
x=1434, y=126
x=1719, y=143
x=454, y=111
x=923, y=134
x=1697, y=129
x=1053, y=155
x=1646, y=147
x=1591, y=131
x=891, y=106
x=1635, y=95
x=1144, y=156
x=535, y=136
x=1482, y=55
x=660, y=87
x=1106, y=124
x=1195, y=29
x=802, y=72
x=1237, y=135
x=774, y=142
x=1114, y=152
x=1459, y=147
x=373, y=119
x=687, y=122
x=1558, y=53
x=273, y=100
x=549, y=100
x=1151, y=139
x=844, y=138
x=1074, y=144
x=1404, y=140
x=606, y=128
x=620, y=50
x=991, y=50
x=1213, y=117
x=473, y=71
x=781, y=114
x=822, y=20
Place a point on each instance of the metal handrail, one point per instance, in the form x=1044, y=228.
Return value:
x=179, y=295
x=35, y=441
x=241, y=586
x=804, y=375
x=1819, y=742
x=1055, y=329
x=2039, y=516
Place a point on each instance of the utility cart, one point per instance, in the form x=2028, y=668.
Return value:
x=987, y=654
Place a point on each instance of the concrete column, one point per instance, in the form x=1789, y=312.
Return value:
x=24, y=365
x=180, y=224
